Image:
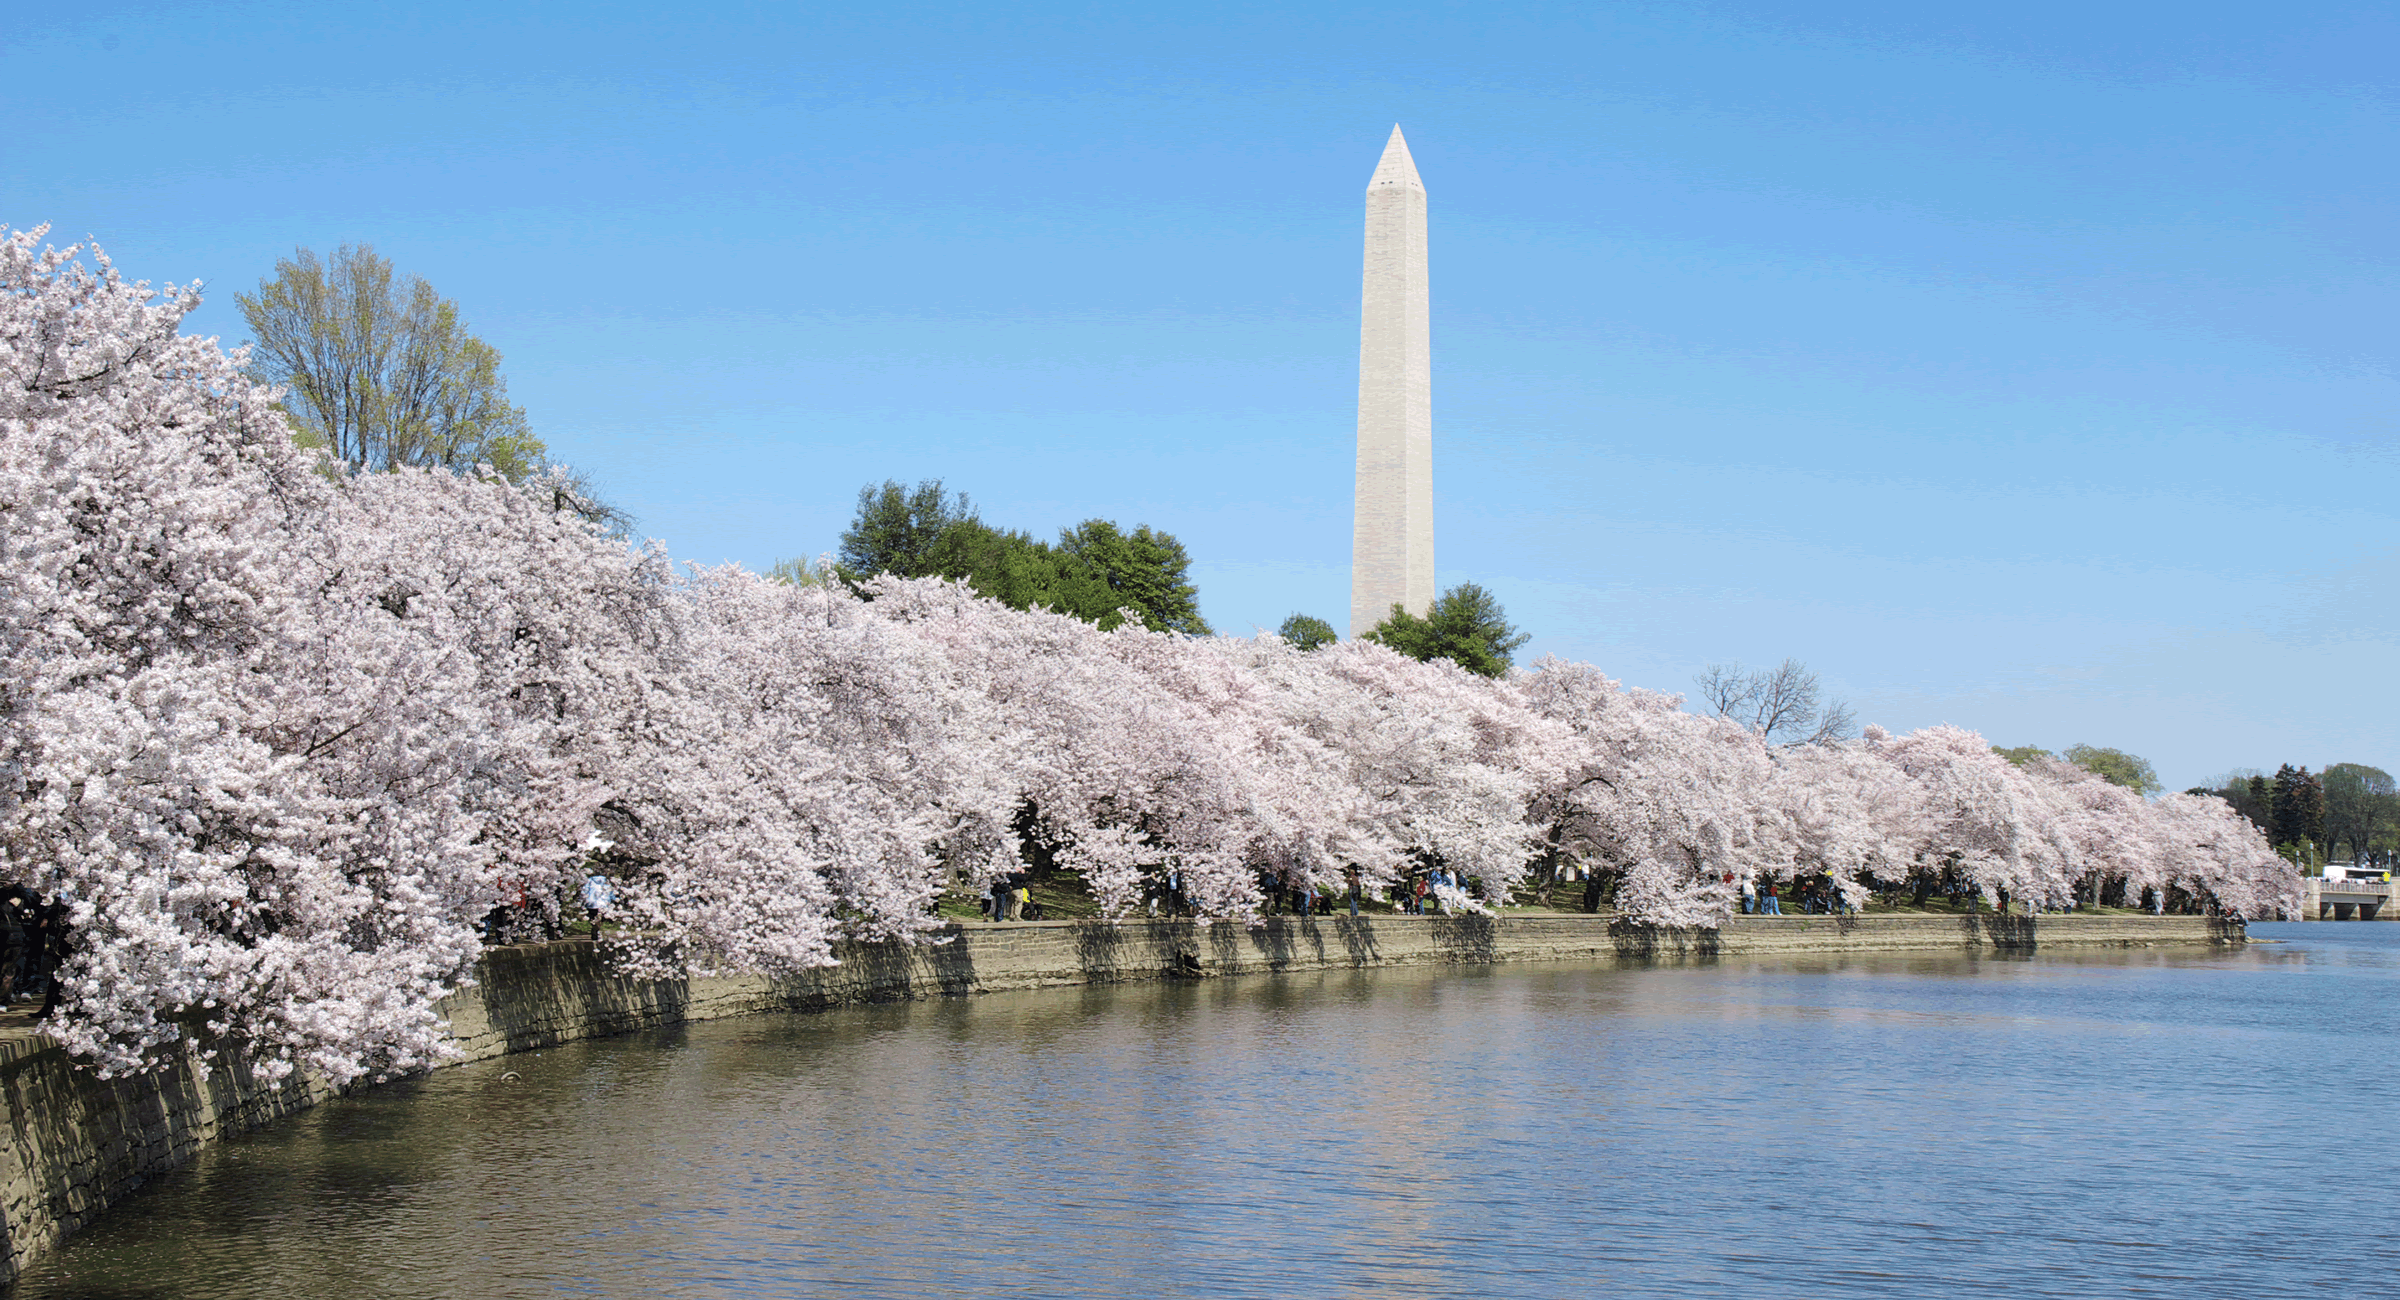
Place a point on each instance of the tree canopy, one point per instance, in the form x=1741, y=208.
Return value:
x=897, y=529
x=1094, y=572
x=1145, y=570
x=2116, y=767
x=2361, y=807
x=1466, y=626
x=1307, y=632
x=799, y=573
x=2296, y=814
x=2313, y=816
x=380, y=372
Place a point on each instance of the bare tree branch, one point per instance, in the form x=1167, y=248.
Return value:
x=1784, y=703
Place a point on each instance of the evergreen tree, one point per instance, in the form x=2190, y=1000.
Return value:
x=1466, y=626
x=2297, y=818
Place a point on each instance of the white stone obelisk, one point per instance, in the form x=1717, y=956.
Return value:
x=1391, y=541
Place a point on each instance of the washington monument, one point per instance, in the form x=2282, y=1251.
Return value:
x=1391, y=540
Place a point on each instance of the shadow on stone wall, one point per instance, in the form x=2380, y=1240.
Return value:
x=942, y=965
x=1636, y=941
x=540, y=995
x=1358, y=941
x=1465, y=939
x=2000, y=931
x=1114, y=954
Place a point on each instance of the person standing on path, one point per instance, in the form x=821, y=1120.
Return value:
x=17, y=910
x=1772, y=903
x=57, y=944
x=598, y=897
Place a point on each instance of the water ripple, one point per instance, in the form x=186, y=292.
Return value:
x=2128, y=1124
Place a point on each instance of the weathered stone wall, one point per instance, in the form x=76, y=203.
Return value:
x=77, y=1144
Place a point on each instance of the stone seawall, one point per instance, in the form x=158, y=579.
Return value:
x=78, y=1144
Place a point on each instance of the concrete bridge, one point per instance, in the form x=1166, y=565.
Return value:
x=2325, y=899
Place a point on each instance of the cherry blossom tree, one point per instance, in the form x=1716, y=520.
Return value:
x=244, y=789
x=1675, y=804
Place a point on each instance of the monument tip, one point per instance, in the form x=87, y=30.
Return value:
x=1395, y=167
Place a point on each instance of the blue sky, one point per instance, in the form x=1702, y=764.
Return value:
x=2026, y=367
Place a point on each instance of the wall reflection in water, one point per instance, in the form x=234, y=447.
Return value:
x=1917, y=1126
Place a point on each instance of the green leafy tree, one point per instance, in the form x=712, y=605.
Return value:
x=1008, y=566
x=1094, y=572
x=1111, y=570
x=2116, y=767
x=2360, y=803
x=2022, y=754
x=379, y=371
x=1466, y=626
x=1307, y=632
x=898, y=530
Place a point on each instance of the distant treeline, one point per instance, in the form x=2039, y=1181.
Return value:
x=2312, y=817
x=1093, y=572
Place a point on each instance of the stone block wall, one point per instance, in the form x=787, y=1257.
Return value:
x=78, y=1144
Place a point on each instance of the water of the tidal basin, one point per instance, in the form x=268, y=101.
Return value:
x=2169, y=1123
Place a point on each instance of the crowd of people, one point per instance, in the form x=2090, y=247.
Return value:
x=1010, y=898
x=1297, y=893
x=1763, y=896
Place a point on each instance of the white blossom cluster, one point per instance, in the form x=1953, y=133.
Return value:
x=280, y=737
x=1691, y=807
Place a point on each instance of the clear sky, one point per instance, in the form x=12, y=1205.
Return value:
x=2028, y=367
